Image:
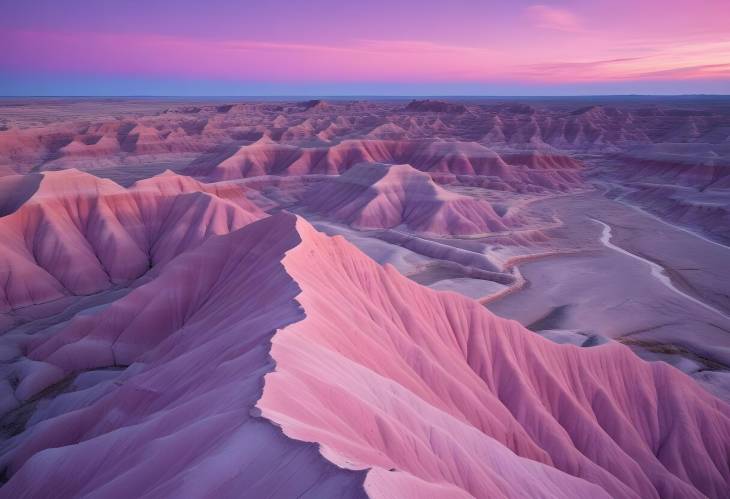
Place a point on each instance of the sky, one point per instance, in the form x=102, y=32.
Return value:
x=372, y=47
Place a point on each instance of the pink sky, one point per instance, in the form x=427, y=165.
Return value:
x=540, y=44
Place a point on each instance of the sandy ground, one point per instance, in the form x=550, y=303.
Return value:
x=655, y=287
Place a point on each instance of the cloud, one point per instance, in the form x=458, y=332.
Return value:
x=255, y=60
x=578, y=70
x=659, y=66
x=546, y=17
x=596, y=57
x=691, y=72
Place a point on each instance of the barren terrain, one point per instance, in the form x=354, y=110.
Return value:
x=395, y=298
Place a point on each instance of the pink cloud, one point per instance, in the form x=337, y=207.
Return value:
x=544, y=16
x=563, y=57
x=364, y=60
x=691, y=72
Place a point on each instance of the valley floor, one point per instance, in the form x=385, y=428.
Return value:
x=606, y=292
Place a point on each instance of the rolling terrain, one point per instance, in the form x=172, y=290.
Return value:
x=361, y=298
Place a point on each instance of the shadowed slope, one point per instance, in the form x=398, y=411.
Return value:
x=381, y=372
x=179, y=422
x=16, y=190
x=78, y=234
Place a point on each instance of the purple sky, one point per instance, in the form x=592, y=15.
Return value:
x=395, y=47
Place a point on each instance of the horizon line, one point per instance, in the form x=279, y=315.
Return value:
x=358, y=96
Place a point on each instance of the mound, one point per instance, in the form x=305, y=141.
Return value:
x=388, y=131
x=428, y=393
x=461, y=158
x=513, y=108
x=27, y=146
x=314, y=104
x=374, y=196
x=78, y=234
x=105, y=146
x=435, y=106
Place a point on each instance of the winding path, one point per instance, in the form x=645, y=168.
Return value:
x=656, y=270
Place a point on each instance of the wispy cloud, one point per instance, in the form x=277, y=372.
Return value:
x=240, y=59
x=690, y=72
x=547, y=17
x=593, y=59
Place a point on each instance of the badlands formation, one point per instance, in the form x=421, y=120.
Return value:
x=475, y=298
